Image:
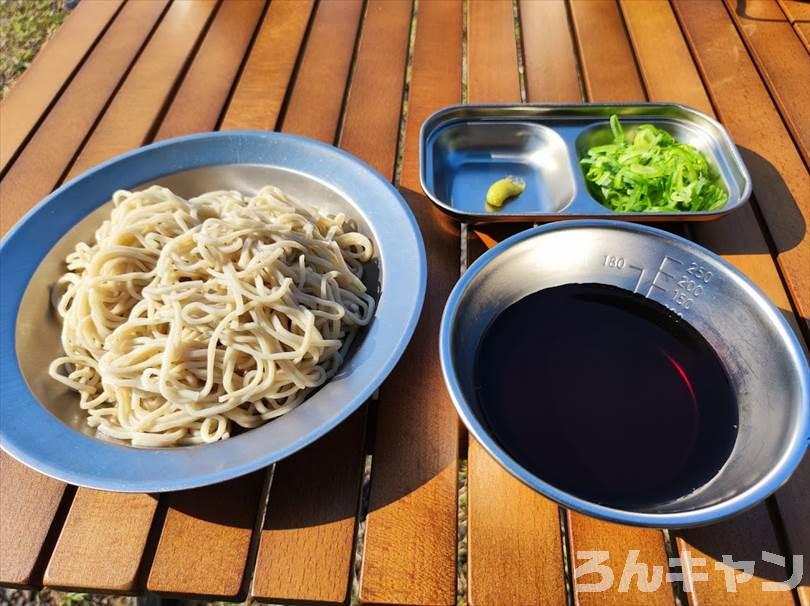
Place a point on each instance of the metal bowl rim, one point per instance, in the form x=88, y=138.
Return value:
x=31, y=455
x=775, y=478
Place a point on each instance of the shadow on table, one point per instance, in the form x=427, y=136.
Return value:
x=769, y=189
x=742, y=11
x=322, y=466
x=748, y=537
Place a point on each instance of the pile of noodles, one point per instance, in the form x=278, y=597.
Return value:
x=188, y=316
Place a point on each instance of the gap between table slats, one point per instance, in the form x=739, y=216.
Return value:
x=29, y=518
x=30, y=98
x=409, y=554
x=515, y=553
x=798, y=13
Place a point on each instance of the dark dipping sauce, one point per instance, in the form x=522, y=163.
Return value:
x=606, y=395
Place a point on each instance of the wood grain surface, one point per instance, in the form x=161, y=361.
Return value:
x=206, y=538
x=306, y=548
x=549, y=56
x=744, y=105
x=515, y=546
x=40, y=166
x=198, y=103
x=314, y=107
x=708, y=581
x=373, y=110
x=39, y=86
x=601, y=41
x=410, y=542
x=492, y=49
x=782, y=60
x=514, y=541
x=654, y=33
x=619, y=544
x=137, y=105
x=798, y=13
x=28, y=505
x=262, y=87
x=125, y=125
x=99, y=548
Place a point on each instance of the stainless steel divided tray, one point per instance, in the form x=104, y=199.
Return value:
x=465, y=148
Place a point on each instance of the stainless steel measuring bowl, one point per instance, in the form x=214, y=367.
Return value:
x=763, y=358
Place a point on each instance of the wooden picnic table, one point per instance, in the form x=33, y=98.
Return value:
x=364, y=75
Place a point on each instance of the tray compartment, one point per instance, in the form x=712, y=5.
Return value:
x=468, y=157
x=599, y=133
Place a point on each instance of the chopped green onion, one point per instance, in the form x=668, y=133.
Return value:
x=652, y=172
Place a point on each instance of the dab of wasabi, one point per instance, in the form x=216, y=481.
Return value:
x=503, y=189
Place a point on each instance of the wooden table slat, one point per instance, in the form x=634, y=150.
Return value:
x=126, y=124
x=41, y=164
x=206, y=538
x=263, y=84
x=515, y=551
x=492, y=61
x=137, y=106
x=618, y=544
x=410, y=540
x=611, y=51
x=782, y=60
x=744, y=538
x=739, y=238
x=199, y=101
x=549, y=56
x=99, y=548
x=598, y=26
x=507, y=521
x=315, y=104
x=39, y=86
x=742, y=102
x=306, y=547
x=373, y=111
x=205, y=541
x=798, y=13
x=29, y=502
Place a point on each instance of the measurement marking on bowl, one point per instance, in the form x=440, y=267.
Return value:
x=692, y=283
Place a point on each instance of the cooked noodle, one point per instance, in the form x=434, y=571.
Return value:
x=187, y=316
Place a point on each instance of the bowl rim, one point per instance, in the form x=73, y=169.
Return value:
x=31, y=434
x=775, y=478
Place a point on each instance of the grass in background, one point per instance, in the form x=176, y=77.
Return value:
x=25, y=25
